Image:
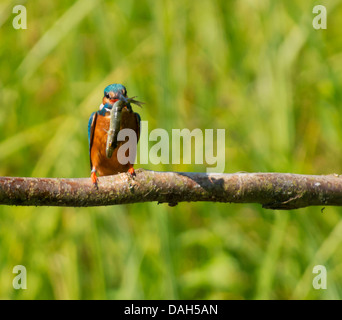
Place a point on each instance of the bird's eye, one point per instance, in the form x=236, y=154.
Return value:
x=107, y=95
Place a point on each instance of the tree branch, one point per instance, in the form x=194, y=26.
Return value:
x=271, y=190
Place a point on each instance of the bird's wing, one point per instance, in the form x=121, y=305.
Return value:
x=91, y=129
x=138, y=119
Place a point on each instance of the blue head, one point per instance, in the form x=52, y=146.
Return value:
x=113, y=92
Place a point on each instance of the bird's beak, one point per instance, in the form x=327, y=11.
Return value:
x=122, y=98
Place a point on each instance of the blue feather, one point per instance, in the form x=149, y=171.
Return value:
x=89, y=126
x=115, y=87
x=103, y=111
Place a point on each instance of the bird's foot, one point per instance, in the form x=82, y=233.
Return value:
x=93, y=177
x=131, y=172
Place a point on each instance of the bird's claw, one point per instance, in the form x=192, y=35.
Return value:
x=94, y=179
x=131, y=172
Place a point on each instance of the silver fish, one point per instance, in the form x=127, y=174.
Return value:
x=115, y=119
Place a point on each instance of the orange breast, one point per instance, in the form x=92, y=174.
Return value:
x=102, y=164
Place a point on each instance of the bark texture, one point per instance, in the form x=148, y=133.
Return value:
x=271, y=190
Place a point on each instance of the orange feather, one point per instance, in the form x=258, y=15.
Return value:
x=107, y=166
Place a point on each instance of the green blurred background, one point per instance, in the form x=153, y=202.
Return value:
x=255, y=68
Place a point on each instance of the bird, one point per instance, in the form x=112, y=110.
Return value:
x=98, y=127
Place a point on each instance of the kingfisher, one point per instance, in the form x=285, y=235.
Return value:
x=98, y=127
